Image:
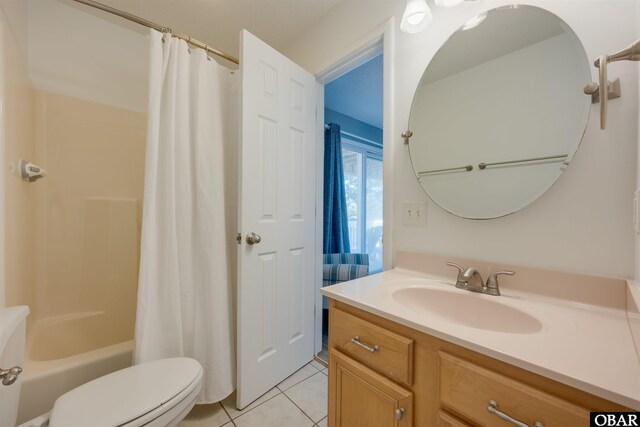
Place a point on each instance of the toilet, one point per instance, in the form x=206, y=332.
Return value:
x=155, y=394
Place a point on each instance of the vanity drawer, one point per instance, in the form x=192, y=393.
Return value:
x=392, y=354
x=468, y=389
x=447, y=420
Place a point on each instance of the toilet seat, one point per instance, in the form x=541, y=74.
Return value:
x=135, y=396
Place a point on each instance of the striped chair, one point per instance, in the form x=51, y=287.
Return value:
x=340, y=268
x=359, y=259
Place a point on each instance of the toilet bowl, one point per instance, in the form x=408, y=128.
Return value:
x=155, y=394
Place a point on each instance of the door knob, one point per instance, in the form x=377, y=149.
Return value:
x=253, y=238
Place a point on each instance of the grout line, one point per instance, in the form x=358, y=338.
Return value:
x=313, y=423
x=321, y=361
x=304, y=379
x=257, y=406
x=280, y=391
x=225, y=411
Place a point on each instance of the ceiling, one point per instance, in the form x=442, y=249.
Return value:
x=358, y=93
x=81, y=52
x=218, y=22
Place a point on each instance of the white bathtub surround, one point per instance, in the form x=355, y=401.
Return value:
x=63, y=352
x=46, y=380
x=185, y=305
x=583, y=338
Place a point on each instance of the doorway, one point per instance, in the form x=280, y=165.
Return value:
x=353, y=101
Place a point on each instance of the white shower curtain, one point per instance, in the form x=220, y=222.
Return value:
x=185, y=300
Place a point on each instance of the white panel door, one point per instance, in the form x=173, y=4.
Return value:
x=277, y=202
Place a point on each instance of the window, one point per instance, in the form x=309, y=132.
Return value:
x=362, y=164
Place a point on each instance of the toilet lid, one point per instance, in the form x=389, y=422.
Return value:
x=125, y=395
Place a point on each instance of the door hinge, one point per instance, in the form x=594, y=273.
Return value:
x=239, y=238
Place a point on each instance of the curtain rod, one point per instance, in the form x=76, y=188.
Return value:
x=149, y=24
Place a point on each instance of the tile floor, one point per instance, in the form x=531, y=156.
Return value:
x=298, y=401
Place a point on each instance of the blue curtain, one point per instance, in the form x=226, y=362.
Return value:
x=336, y=230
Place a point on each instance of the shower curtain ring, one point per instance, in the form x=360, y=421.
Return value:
x=189, y=44
x=165, y=31
x=206, y=51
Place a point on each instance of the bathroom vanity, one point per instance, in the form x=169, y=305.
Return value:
x=406, y=348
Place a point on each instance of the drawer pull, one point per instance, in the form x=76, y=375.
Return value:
x=493, y=409
x=356, y=341
x=399, y=414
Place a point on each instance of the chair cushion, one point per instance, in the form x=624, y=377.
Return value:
x=344, y=258
x=338, y=273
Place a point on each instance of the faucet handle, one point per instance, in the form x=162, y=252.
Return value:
x=459, y=267
x=460, y=282
x=492, y=281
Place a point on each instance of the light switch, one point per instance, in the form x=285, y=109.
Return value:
x=414, y=214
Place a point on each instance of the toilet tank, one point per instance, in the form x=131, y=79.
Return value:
x=13, y=324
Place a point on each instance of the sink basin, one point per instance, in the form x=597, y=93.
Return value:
x=467, y=309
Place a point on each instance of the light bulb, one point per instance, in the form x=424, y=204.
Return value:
x=448, y=3
x=416, y=17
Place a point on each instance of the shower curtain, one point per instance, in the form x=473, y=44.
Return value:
x=185, y=301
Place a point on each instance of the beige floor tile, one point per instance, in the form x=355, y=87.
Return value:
x=311, y=396
x=206, y=416
x=277, y=412
x=325, y=371
x=319, y=366
x=322, y=423
x=230, y=403
x=300, y=375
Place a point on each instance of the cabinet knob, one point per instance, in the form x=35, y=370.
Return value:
x=399, y=414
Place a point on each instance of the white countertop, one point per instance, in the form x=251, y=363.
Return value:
x=585, y=346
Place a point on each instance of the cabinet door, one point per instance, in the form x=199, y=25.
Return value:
x=360, y=397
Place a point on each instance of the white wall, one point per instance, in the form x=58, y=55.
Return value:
x=583, y=223
x=637, y=235
x=3, y=29
x=76, y=54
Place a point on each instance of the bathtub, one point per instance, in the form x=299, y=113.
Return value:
x=64, y=352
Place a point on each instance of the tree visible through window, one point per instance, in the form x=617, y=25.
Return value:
x=363, y=187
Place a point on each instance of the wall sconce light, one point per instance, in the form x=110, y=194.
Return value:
x=448, y=3
x=416, y=17
x=474, y=22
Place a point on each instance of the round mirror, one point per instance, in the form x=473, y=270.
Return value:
x=499, y=112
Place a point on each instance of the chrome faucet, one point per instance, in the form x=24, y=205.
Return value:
x=460, y=281
x=471, y=280
x=492, y=287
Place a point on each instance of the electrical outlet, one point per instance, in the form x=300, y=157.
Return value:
x=414, y=214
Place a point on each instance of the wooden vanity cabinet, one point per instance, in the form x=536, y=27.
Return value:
x=447, y=420
x=364, y=398
x=414, y=379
